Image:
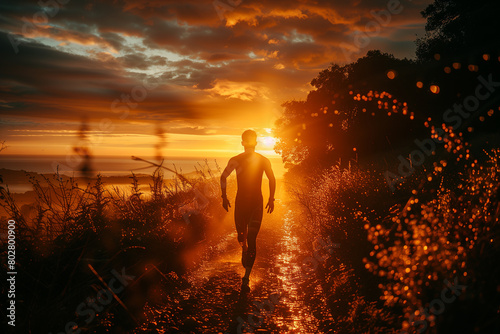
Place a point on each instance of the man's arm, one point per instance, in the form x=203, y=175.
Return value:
x=231, y=165
x=272, y=185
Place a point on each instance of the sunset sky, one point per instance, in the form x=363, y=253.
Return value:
x=202, y=71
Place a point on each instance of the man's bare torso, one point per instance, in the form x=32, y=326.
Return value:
x=249, y=167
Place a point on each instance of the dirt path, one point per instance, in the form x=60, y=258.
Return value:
x=213, y=301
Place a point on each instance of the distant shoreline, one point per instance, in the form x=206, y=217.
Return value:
x=116, y=166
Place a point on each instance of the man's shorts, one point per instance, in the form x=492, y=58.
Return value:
x=248, y=216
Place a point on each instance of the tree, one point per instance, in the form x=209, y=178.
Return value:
x=460, y=29
x=355, y=112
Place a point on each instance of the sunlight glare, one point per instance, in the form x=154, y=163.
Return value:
x=268, y=141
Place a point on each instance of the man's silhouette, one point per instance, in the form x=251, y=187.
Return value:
x=249, y=202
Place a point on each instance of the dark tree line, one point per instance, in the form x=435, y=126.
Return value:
x=460, y=29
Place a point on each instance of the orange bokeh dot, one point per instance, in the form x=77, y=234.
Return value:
x=435, y=89
x=473, y=68
x=420, y=84
x=391, y=74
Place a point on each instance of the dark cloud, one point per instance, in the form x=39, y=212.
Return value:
x=41, y=80
x=141, y=61
x=113, y=39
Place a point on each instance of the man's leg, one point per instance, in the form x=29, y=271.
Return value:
x=253, y=231
x=241, y=228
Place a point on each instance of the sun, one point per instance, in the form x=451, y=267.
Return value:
x=268, y=141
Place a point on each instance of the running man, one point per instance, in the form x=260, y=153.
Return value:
x=249, y=202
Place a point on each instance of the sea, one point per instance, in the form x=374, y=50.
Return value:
x=118, y=166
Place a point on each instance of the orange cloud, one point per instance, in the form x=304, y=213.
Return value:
x=239, y=90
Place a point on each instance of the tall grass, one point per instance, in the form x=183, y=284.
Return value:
x=431, y=240
x=398, y=250
x=77, y=227
x=337, y=205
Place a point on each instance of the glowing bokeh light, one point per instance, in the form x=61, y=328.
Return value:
x=391, y=74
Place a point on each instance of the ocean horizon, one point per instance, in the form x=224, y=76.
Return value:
x=118, y=165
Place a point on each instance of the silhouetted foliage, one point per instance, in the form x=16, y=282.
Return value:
x=355, y=111
x=372, y=110
x=460, y=29
x=77, y=228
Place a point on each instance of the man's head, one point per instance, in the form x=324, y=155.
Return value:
x=249, y=138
